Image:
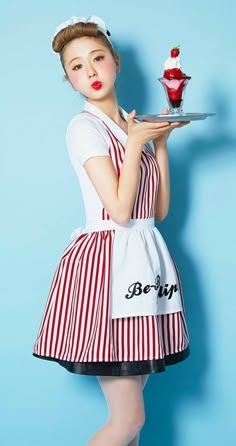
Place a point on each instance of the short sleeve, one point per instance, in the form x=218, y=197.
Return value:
x=86, y=137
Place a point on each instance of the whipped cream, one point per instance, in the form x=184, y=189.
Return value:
x=172, y=62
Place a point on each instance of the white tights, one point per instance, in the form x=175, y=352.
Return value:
x=124, y=397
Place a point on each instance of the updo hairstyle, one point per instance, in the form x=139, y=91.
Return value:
x=75, y=31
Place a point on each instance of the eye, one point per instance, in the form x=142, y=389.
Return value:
x=77, y=67
x=98, y=58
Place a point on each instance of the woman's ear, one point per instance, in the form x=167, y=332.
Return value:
x=117, y=62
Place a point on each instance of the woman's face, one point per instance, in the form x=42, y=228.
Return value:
x=90, y=67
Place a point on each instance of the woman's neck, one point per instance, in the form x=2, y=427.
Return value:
x=110, y=107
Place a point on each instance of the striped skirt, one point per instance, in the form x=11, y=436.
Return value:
x=77, y=331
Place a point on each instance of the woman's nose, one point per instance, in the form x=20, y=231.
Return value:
x=91, y=72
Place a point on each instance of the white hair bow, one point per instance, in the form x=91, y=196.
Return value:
x=90, y=19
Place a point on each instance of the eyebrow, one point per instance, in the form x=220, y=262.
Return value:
x=91, y=52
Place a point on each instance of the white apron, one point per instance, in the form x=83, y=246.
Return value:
x=144, y=280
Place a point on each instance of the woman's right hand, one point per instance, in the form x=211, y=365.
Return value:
x=139, y=133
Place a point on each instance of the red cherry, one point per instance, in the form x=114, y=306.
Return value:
x=174, y=52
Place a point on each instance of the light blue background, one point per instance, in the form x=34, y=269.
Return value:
x=193, y=403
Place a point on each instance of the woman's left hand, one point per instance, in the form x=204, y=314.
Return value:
x=173, y=125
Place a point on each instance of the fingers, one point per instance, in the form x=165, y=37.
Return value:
x=147, y=125
x=144, y=131
x=179, y=124
x=131, y=115
x=157, y=125
x=165, y=111
x=154, y=125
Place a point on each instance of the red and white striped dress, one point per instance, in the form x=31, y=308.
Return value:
x=76, y=328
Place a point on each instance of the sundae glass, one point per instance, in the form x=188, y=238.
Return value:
x=174, y=82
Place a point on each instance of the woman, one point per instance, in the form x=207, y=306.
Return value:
x=115, y=308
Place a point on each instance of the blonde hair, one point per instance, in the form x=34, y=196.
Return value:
x=75, y=31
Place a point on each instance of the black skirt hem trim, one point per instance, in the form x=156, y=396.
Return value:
x=123, y=368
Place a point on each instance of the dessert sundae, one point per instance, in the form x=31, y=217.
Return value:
x=174, y=81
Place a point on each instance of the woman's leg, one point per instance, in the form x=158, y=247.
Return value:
x=124, y=396
x=135, y=441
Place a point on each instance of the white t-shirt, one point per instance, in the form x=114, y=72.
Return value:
x=86, y=137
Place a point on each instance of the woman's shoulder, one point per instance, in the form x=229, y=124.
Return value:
x=86, y=136
x=85, y=120
x=86, y=126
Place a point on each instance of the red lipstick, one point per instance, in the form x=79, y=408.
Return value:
x=96, y=85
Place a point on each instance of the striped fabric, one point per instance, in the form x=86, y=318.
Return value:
x=76, y=325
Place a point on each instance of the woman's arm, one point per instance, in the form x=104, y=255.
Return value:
x=163, y=193
x=118, y=193
x=161, y=153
